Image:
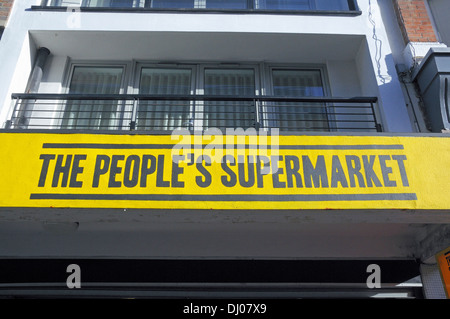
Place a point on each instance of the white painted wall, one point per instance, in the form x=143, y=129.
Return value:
x=344, y=78
x=336, y=41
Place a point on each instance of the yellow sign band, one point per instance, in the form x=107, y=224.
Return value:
x=192, y=172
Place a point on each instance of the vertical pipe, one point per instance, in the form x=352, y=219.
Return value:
x=38, y=70
x=32, y=87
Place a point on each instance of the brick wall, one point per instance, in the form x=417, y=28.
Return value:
x=5, y=8
x=414, y=21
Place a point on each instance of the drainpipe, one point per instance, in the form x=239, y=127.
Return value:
x=32, y=87
x=36, y=73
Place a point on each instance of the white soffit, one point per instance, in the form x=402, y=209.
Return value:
x=195, y=46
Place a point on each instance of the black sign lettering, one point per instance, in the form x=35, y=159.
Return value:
x=386, y=171
x=243, y=171
x=177, y=170
x=61, y=169
x=337, y=173
x=354, y=169
x=101, y=167
x=318, y=174
x=76, y=170
x=231, y=180
x=246, y=179
x=205, y=180
x=160, y=182
x=46, y=161
x=401, y=166
x=276, y=172
x=292, y=168
x=369, y=172
x=114, y=170
x=131, y=171
x=147, y=169
x=262, y=168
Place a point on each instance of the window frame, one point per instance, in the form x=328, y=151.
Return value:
x=262, y=72
x=141, y=5
x=202, y=67
x=268, y=77
x=125, y=66
x=139, y=65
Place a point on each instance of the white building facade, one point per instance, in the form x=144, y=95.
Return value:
x=325, y=73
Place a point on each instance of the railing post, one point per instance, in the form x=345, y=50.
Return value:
x=9, y=123
x=378, y=126
x=257, y=120
x=134, y=114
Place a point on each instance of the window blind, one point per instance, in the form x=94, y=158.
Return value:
x=164, y=115
x=93, y=114
x=295, y=115
x=229, y=82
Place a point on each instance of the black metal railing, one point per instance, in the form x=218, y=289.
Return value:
x=336, y=6
x=192, y=112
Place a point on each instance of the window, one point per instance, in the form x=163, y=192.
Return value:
x=228, y=82
x=63, y=3
x=226, y=4
x=160, y=114
x=296, y=83
x=93, y=114
x=198, y=4
x=93, y=3
x=184, y=80
x=304, y=4
x=227, y=97
x=109, y=3
x=326, y=5
x=170, y=4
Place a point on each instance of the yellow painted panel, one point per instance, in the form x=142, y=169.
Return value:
x=224, y=172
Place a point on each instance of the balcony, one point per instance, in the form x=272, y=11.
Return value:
x=259, y=6
x=153, y=113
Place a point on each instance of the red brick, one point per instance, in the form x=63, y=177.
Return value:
x=5, y=8
x=414, y=21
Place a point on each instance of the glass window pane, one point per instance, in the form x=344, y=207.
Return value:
x=165, y=81
x=96, y=80
x=164, y=115
x=93, y=114
x=226, y=4
x=285, y=4
x=121, y=3
x=297, y=116
x=229, y=82
x=338, y=5
x=64, y=3
x=236, y=82
x=297, y=83
x=172, y=4
x=109, y=3
x=302, y=4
